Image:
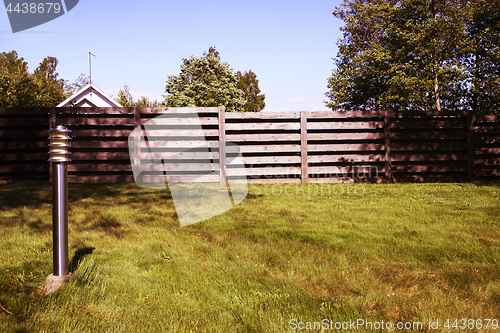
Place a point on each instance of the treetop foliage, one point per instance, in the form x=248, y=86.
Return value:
x=417, y=55
x=207, y=81
x=20, y=88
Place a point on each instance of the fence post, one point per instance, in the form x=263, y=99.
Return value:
x=387, y=145
x=222, y=145
x=470, y=146
x=304, y=173
x=137, y=139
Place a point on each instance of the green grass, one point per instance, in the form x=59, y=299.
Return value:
x=402, y=252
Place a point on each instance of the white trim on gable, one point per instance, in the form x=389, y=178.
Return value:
x=92, y=95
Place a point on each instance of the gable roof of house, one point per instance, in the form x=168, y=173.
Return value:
x=89, y=96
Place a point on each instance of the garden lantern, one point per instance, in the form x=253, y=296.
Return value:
x=58, y=150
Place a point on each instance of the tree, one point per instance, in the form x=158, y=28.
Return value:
x=49, y=90
x=15, y=82
x=204, y=81
x=19, y=88
x=483, y=59
x=404, y=54
x=249, y=85
x=126, y=99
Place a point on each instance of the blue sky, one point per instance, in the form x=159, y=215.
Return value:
x=289, y=45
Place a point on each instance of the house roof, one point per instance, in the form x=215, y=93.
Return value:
x=89, y=96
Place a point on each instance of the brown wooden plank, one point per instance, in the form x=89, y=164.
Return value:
x=25, y=156
x=180, y=144
x=180, y=110
x=268, y=148
x=303, y=147
x=32, y=120
x=429, y=114
x=263, y=115
x=30, y=133
x=482, y=160
x=209, y=155
x=212, y=178
x=345, y=147
x=183, y=121
x=271, y=159
x=346, y=158
x=438, y=134
x=17, y=146
x=438, y=156
x=182, y=132
x=111, y=155
x=271, y=181
x=261, y=126
x=118, y=144
x=487, y=172
x=428, y=123
x=81, y=121
x=428, y=145
x=99, y=167
x=267, y=171
x=64, y=111
x=495, y=118
x=346, y=171
x=24, y=111
x=104, y=132
x=101, y=178
x=355, y=189
x=345, y=114
x=480, y=151
x=222, y=146
x=345, y=125
x=388, y=147
x=27, y=167
x=261, y=137
x=170, y=167
x=457, y=167
x=344, y=136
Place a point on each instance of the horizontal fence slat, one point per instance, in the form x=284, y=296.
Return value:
x=183, y=121
x=438, y=156
x=79, y=121
x=261, y=126
x=345, y=147
x=262, y=137
x=344, y=136
x=262, y=115
x=345, y=158
x=345, y=125
x=180, y=132
x=266, y=171
x=268, y=148
x=271, y=159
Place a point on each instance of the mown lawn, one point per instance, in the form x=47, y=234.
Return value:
x=295, y=254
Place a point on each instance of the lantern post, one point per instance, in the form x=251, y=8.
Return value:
x=59, y=156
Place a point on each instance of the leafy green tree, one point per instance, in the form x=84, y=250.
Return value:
x=408, y=54
x=19, y=88
x=248, y=83
x=483, y=59
x=15, y=82
x=204, y=82
x=49, y=89
x=126, y=99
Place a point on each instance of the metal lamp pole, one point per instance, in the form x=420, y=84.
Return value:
x=58, y=146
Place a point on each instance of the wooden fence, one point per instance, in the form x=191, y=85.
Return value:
x=361, y=146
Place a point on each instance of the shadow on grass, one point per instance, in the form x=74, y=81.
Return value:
x=78, y=257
